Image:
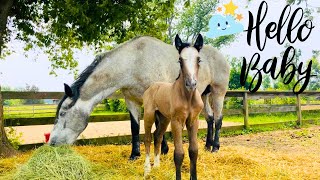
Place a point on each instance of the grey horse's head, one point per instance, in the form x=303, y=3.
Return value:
x=71, y=119
x=73, y=112
x=189, y=60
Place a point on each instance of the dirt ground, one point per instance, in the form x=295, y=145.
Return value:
x=35, y=134
x=306, y=140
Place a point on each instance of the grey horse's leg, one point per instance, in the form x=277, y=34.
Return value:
x=217, y=95
x=134, y=110
x=164, y=144
x=208, y=114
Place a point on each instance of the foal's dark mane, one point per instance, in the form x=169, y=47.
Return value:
x=76, y=86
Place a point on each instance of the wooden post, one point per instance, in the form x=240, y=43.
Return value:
x=245, y=110
x=298, y=108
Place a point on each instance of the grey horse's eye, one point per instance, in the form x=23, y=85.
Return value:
x=62, y=113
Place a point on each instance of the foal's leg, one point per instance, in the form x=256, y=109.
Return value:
x=158, y=136
x=134, y=110
x=193, y=147
x=177, y=128
x=218, y=95
x=148, y=122
x=208, y=114
x=164, y=144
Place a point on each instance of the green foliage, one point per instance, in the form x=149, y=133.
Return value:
x=106, y=104
x=235, y=72
x=221, y=41
x=266, y=82
x=59, y=27
x=233, y=103
x=314, y=83
x=117, y=105
x=14, y=137
x=195, y=18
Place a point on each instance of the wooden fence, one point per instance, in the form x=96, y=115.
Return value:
x=245, y=110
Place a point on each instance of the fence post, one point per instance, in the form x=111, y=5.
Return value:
x=298, y=108
x=245, y=110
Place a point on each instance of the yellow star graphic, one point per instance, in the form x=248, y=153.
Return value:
x=230, y=8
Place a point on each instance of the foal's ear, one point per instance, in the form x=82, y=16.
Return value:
x=68, y=90
x=199, y=42
x=178, y=42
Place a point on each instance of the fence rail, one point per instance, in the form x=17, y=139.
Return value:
x=245, y=108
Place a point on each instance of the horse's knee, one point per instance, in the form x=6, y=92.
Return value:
x=193, y=152
x=147, y=138
x=218, y=123
x=178, y=158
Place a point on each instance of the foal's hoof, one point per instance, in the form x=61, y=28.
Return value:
x=134, y=156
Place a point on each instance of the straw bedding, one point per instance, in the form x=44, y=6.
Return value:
x=292, y=154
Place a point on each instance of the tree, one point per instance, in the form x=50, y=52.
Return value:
x=315, y=70
x=59, y=27
x=235, y=72
x=266, y=82
x=32, y=88
x=6, y=150
x=193, y=19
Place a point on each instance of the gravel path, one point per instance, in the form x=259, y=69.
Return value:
x=35, y=134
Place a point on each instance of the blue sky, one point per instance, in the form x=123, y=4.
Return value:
x=17, y=70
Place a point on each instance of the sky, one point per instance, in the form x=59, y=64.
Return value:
x=17, y=70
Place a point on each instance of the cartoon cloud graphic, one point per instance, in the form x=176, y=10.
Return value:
x=223, y=25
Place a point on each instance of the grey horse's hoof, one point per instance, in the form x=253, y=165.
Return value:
x=215, y=150
x=134, y=156
x=164, y=150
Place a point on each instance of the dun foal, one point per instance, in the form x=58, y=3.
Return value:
x=178, y=102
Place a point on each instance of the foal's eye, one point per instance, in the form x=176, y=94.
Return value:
x=199, y=60
x=62, y=113
x=227, y=23
x=218, y=24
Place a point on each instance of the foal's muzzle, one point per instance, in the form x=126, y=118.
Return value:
x=191, y=84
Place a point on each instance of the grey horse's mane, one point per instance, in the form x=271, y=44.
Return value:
x=75, y=87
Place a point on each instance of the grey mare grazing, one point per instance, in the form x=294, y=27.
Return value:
x=133, y=67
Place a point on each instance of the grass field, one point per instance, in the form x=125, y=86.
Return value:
x=33, y=111
x=273, y=117
x=289, y=154
x=29, y=111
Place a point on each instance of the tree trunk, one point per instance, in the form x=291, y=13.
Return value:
x=5, y=7
x=6, y=150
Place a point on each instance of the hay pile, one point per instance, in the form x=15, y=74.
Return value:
x=55, y=163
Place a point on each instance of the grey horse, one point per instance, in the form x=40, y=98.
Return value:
x=132, y=67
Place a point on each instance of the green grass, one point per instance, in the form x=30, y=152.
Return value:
x=26, y=111
x=273, y=117
x=36, y=111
